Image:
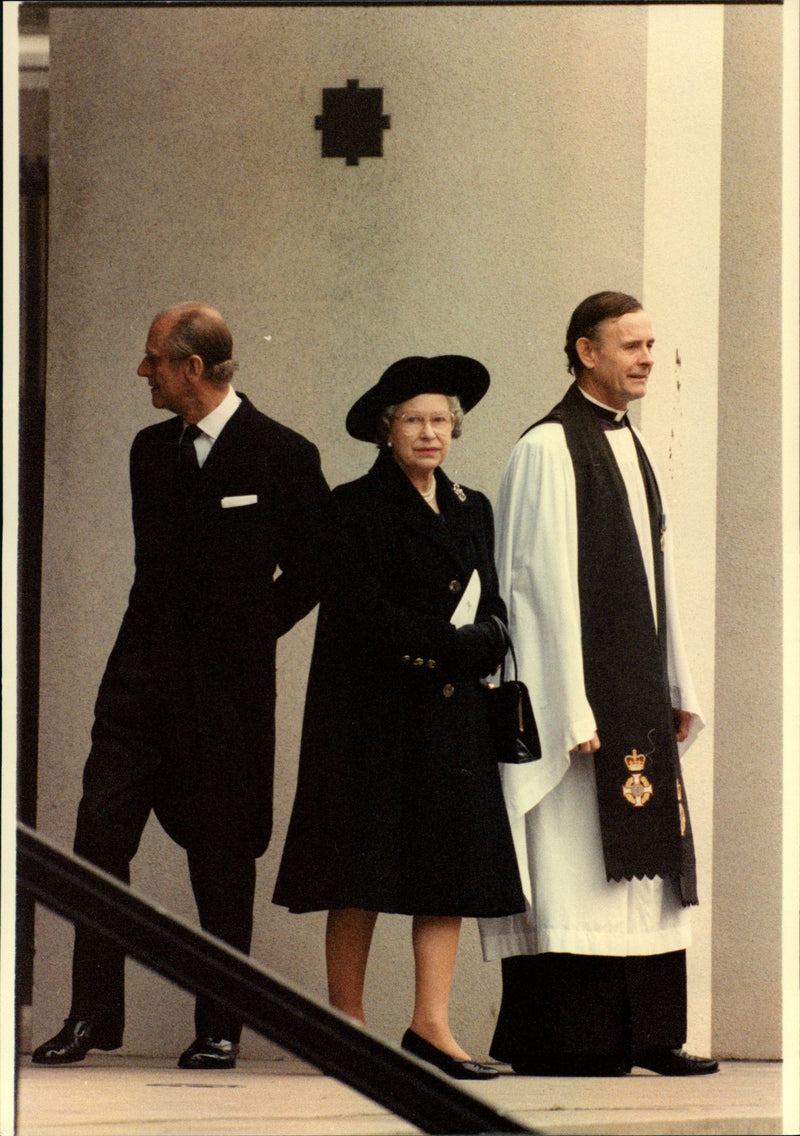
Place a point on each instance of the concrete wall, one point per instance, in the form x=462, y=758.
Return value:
x=678, y=416
x=750, y=614
x=533, y=157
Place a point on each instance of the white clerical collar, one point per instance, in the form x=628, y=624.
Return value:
x=212, y=424
x=618, y=414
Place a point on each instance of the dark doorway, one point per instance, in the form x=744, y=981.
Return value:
x=33, y=229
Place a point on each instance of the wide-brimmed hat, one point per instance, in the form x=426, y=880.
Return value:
x=440, y=374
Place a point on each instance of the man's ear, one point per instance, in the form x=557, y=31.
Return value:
x=194, y=367
x=585, y=349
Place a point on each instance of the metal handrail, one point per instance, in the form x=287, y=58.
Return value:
x=202, y=964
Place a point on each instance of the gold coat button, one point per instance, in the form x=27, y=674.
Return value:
x=455, y=586
x=448, y=690
x=418, y=662
x=406, y=659
x=431, y=663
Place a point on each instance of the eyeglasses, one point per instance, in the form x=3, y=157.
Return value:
x=412, y=424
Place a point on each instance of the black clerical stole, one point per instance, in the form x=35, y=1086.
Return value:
x=644, y=815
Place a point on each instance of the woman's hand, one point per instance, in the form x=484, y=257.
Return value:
x=480, y=647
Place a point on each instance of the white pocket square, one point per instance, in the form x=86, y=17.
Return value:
x=237, y=502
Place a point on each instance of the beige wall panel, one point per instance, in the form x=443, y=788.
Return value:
x=750, y=746
x=679, y=414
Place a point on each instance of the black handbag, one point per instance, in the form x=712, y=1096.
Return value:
x=508, y=707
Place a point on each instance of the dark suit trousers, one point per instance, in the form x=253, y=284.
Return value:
x=133, y=733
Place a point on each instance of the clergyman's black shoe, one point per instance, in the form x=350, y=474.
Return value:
x=675, y=1063
x=209, y=1053
x=461, y=1070
x=74, y=1041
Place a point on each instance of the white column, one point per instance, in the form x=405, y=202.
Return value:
x=679, y=415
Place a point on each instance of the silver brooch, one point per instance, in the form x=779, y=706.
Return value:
x=459, y=492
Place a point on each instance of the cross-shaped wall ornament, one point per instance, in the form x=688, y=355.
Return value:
x=352, y=122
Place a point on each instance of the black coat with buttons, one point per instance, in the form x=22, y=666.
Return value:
x=399, y=806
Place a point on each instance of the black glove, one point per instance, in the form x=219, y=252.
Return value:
x=480, y=648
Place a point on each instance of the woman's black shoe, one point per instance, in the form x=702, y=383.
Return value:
x=461, y=1070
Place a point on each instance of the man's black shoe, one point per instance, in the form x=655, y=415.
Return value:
x=209, y=1053
x=675, y=1063
x=74, y=1041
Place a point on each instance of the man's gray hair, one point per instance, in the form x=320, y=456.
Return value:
x=200, y=330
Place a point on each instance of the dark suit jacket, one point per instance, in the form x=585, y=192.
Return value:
x=204, y=615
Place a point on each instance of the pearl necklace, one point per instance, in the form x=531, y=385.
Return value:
x=430, y=493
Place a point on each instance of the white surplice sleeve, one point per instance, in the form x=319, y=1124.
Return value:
x=537, y=562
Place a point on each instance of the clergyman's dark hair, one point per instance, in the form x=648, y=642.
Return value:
x=588, y=316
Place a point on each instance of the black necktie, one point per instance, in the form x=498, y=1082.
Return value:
x=187, y=454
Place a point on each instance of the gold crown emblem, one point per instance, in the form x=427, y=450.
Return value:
x=635, y=762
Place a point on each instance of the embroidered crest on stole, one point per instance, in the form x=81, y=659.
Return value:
x=637, y=790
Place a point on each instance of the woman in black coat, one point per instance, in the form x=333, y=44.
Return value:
x=399, y=806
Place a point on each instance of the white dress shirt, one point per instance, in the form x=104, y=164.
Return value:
x=211, y=426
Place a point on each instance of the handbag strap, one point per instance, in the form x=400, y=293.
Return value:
x=509, y=647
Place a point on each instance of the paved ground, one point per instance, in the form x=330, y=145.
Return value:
x=111, y=1095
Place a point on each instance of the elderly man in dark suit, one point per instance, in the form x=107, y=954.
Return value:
x=223, y=497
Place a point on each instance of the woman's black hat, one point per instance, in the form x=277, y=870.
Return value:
x=440, y=374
